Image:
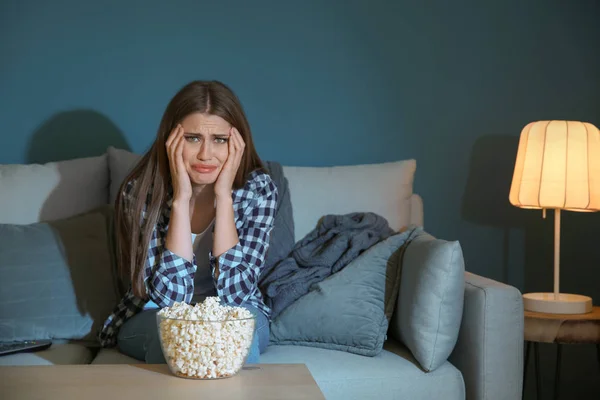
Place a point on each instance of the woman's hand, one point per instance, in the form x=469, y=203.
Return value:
x=226, y=177
x=182, y=185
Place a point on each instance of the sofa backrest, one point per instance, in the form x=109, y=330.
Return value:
x=32, y=193
x=44, y=192
x=385, y=189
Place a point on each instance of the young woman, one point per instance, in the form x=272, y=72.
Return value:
x=193, y=219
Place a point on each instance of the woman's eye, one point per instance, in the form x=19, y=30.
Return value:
x=221, y=140
x=192, y=139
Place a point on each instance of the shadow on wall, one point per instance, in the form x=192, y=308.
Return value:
x=485, y=201
x=527, y=249
x=77, y=186
x=81, y=185
x=74, y=134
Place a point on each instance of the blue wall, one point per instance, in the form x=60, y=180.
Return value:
x=450, y=84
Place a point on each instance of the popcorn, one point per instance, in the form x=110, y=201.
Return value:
x=206, y=340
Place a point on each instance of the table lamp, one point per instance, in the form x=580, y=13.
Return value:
x=557, y=167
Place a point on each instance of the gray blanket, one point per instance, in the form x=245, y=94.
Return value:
x=333, y=244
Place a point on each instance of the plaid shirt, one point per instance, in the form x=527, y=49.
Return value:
x=169, y=278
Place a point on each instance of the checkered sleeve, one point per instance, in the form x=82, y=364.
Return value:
x=127, y=307
x=240, y=266
x=169, y=278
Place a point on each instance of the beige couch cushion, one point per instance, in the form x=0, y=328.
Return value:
x=44, y=192
x=120, y=164
x=114, y=356
x=384, y=188
x=57, y=354
x=393, y=374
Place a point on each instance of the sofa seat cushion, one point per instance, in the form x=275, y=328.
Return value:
x=114, y=356
x=393, y=374
x=57, y=354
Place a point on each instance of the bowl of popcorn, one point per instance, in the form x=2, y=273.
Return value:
x=206, y=340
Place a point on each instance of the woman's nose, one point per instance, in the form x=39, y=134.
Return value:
x=205, y=151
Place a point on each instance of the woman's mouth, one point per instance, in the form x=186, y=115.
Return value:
x=203, y=168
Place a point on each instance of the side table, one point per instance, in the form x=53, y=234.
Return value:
x=559, y=329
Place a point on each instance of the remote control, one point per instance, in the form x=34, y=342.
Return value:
x=23, y=346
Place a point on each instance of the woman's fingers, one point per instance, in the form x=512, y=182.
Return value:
x=232, y=141
x=172, y=145
x=174, y=149
x=172, y=136
x=239, y=145
x=179, y=177
x=177, y=140
x=179, y=151
x=230, y=152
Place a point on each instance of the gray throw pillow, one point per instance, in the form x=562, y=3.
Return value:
x=120, y=164
x=347, y=311
x=430, y=302
x=58, y=278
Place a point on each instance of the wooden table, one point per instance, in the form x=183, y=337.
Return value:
x=154, y=381
x=559, y=329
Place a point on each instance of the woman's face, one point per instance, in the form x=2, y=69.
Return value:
x=205, y=147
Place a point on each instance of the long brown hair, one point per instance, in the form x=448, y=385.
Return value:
x=152, y=175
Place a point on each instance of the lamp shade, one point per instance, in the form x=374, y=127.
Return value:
x=557, y=166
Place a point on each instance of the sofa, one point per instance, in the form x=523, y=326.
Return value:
x=486, y=357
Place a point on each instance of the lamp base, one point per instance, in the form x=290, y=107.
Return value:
x=564, y=304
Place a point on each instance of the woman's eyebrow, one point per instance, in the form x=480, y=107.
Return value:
x=204, y=134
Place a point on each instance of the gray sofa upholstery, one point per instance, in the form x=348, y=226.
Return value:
x=486, y=363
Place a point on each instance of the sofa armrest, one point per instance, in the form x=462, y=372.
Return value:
x=489, y=350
